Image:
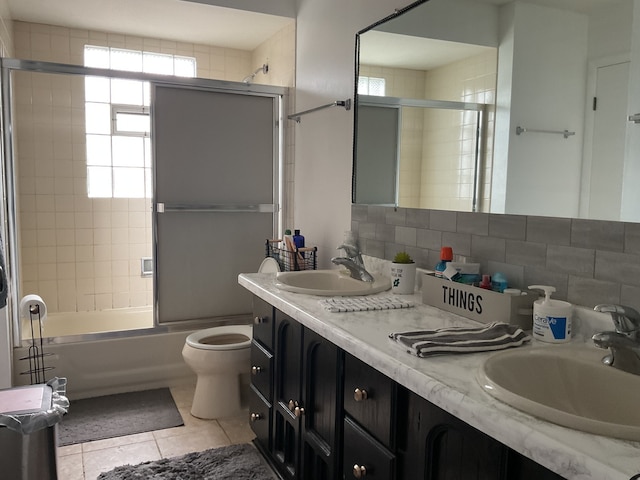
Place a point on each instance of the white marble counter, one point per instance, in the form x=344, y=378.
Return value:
x=449, y=381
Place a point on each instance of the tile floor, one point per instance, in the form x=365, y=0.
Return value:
x=86, y=461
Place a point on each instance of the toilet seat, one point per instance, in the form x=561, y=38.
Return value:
x=235, y=337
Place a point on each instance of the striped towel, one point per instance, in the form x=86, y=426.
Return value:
x=359, y=304
x=495, y=336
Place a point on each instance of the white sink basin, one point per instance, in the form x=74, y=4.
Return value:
x=329, y=283
x=567, y=385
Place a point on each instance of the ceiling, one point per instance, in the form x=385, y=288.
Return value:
x=417, y=53
x=184, y=21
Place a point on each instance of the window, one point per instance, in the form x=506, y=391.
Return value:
x=371, y=86
x=117, y=120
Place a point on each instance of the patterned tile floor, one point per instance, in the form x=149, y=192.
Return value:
x=86, y=461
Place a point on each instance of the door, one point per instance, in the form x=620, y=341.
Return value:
x=608, y=147
x=215, y=165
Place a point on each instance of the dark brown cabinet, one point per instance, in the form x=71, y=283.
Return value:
x=321, y=414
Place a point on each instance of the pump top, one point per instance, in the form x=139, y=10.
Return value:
x=547, y=289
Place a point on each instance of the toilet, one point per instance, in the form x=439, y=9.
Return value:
x=218, y=356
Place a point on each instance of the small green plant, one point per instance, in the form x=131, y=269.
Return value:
x=402, y=257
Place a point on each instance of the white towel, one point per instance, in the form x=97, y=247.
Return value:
x=495, y=336
x=364, y=303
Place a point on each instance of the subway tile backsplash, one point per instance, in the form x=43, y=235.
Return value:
x=588, y=261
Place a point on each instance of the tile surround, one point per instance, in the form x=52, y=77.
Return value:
x=588, y=261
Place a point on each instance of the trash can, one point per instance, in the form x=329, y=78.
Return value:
x=28, y=429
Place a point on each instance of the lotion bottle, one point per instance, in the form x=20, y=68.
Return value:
x=551, y=318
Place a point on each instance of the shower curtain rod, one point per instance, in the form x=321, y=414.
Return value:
x=338, y=103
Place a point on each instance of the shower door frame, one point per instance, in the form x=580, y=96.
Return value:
x=9, y=214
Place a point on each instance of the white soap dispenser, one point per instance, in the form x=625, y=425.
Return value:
x=551, y=318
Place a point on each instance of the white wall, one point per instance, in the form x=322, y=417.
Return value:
x=324, y=73
x=548, y=87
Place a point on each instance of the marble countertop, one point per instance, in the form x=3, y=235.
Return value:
x=449, y=381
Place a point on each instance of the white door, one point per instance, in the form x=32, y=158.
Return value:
x=610, y=122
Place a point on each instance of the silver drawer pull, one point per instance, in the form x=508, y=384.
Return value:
x=255, y=370
x=360, y=394
x=359, y=471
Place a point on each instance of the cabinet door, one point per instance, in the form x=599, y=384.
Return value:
x=261, y=369
x=369, y=398
x=287, y=396
x=320, y=380
x=438, y=446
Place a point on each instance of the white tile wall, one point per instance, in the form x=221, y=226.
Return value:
x=78, y=253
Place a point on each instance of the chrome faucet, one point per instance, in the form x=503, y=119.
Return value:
x=624, y=343
x=353, y=261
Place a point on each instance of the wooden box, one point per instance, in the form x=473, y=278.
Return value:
x=478, y=304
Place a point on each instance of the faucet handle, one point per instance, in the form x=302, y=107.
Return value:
x=626, y=319
x=351, y=250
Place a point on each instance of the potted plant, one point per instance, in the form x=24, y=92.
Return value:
x=403, y=273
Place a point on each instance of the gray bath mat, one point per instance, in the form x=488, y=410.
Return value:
x=118, y=415
x=235, y=462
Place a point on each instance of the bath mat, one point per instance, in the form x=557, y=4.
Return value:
x=118, y=415
x=235, y=462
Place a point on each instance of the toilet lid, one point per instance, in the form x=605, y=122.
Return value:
x=269, y=265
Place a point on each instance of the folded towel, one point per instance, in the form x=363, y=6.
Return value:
x=495, y=336
x=358, y=304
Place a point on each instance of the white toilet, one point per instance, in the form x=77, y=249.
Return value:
x=218, y=356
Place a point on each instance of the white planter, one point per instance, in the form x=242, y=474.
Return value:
x=403, y=278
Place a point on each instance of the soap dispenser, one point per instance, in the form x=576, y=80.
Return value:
x=551, y=318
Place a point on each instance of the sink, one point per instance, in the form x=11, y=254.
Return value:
x=329, y=283
x=566, y=385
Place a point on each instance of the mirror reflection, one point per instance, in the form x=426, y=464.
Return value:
x=489, y=106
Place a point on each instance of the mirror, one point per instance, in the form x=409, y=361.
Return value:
x=488, y=105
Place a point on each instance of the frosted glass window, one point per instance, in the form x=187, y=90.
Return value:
x=157, y=63
x=133, y=122
x=184, y=67
x=127, y=92
x=128, y=182
x=129, y=60
x=97, y=89
x=97, y=117
x=128, y=151
x=99, y=150
x=96, y=57
x=371, y=86
x=99, y=182
x=118, y=126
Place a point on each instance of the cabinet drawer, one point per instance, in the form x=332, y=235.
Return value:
x=369, y=398
x=263, y=322
x=364, y=457
x=261, y=369
x=260, y=418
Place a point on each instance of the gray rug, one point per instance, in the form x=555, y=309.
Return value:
x=118, y=415
x=235, y=462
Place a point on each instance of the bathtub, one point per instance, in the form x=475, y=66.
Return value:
x=114, y=362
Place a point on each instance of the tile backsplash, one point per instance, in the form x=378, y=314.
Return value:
x=588, y=261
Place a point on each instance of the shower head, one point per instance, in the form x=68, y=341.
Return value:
x=264, y=69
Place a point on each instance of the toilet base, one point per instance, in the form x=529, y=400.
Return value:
x=216, y=396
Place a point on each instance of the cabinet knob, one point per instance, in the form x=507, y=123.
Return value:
x=360, y=394
x=258, y=320
x=359, y=471
x=255, y=370
x=298, y=411
x=255, y=417
x=292, y=405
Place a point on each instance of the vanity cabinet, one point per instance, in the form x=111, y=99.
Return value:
x=320, y=413
x=307, y=373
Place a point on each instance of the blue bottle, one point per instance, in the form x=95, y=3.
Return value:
x=298, y=239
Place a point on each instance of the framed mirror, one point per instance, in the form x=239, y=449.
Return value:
x=501, y=106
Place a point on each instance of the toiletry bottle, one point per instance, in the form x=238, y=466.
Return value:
x=298, y=239
x=288, y=241
x=446, y=255
x=486, y=282
x=551, y=318
x=498, y=282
